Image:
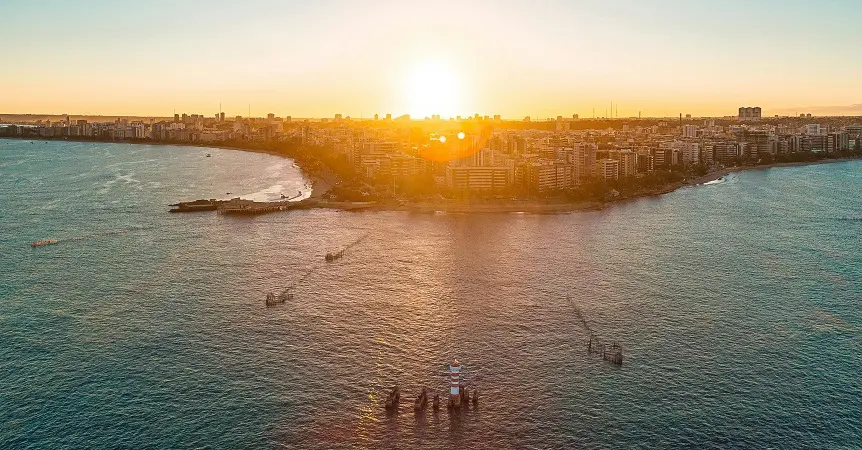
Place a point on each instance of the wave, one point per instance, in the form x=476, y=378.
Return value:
x=717, y=181
x=267, y=194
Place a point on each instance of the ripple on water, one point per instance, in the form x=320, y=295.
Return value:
x=737, y=306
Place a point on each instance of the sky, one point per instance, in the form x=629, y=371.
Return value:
x=539, y=58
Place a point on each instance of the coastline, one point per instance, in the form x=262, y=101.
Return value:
x=565, y=207
x=322, y=182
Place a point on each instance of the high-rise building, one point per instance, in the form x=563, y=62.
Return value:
x=815, y=129
x=608, y=169
x=689, y=131
x=548, y=176
x=757, y=143
x=646, y=161
x=690, y=153
x=583, y=160
x=749, y=113
x=479, y=177
x=628, y=163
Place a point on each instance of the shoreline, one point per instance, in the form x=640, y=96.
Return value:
x=323, y=182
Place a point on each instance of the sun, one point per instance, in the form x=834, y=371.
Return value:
x=432, y=88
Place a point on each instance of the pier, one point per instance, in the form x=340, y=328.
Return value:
x=595, y=346
x=612, y=354
x=238, y=206
x=287, y=293
x=334, y=256
x=330, y=257
x=272, y=299
x=197, y=205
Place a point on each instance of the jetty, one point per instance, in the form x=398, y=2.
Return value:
x=287, y=293
x=272, y=299
x=334, y=256
x=238, y=205
x=612, y=354
x=330, y=257
x=197, y=205
x=595, y=346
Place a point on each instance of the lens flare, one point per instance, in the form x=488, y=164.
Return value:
x=461, y=135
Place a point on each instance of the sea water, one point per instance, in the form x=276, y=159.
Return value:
x=737, y=306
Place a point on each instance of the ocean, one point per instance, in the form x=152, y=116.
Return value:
x=737, y=305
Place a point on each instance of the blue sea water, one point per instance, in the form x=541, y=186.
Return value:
x=737, y=305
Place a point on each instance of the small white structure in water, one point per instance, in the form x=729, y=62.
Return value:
x=455, y=384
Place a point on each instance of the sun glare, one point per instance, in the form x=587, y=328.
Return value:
x=432, y=88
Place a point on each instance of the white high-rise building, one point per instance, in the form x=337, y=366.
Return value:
x=608, y=169
x=815, y=129
x=689, y=131
x=690, y=152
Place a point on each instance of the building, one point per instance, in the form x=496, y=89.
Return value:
x=479, y=178
x=707, y=153
x=540, y=177
x=815, y=129
x=646, y=161
x=583, y=161
x=628, y=163
x=689, y=131
x=757, y=143
x=749, y=113
x=607, y=169
x=725, y=151
x=689, y=153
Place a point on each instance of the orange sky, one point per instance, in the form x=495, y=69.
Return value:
x=315, y=59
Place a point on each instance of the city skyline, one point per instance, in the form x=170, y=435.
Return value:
x=512, y=59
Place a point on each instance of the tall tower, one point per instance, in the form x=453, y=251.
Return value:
x=455, y=384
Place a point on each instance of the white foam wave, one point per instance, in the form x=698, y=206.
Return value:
x=265, y=195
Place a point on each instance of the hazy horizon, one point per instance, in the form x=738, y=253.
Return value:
x=509, y=58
